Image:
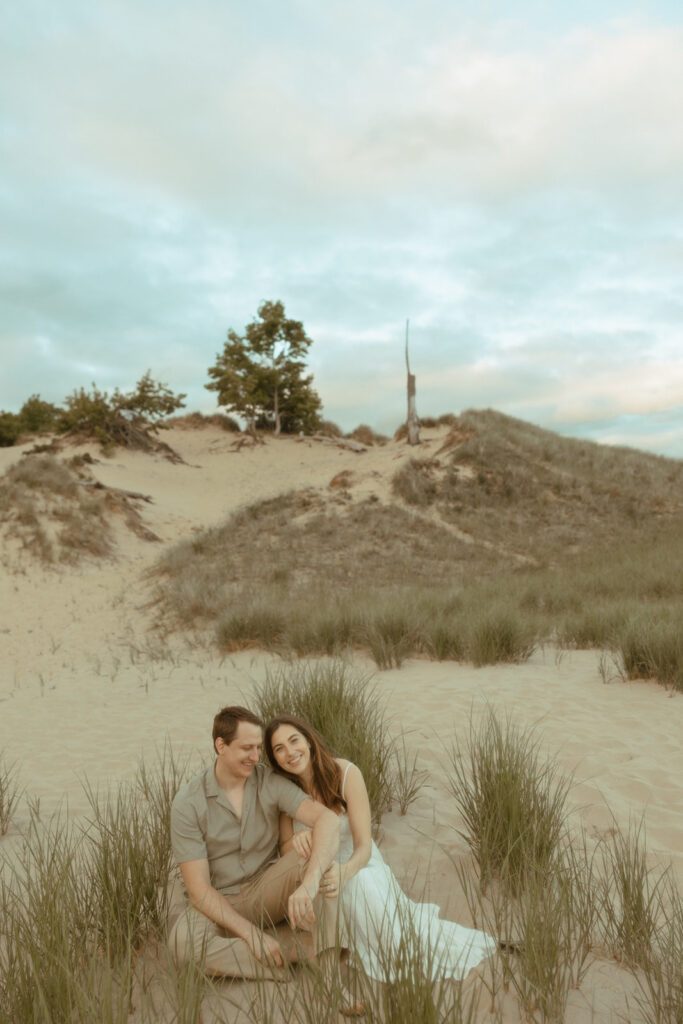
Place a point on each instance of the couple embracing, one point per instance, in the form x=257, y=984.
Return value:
x=258, y=844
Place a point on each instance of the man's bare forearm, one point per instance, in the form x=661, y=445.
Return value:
x=217, y=908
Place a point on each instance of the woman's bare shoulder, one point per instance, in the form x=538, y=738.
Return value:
x=345, y=765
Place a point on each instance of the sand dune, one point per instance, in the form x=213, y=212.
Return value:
x=86, y=690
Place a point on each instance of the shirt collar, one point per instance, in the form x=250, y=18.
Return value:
x=212, y=789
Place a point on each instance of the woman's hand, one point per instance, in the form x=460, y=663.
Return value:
x=302, y=842
x=333, y=880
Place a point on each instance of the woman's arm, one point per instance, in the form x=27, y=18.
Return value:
x=302, y=842
x=358, y=810
x=286, y=841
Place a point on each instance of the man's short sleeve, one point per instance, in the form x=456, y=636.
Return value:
x=186, y=837
x=289, y=796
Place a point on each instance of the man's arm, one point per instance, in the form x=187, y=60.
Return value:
x=325, y=843
x=217, y=908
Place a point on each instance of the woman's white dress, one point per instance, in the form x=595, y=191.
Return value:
x=383, y=928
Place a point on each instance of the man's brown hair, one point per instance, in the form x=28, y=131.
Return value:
x=227, y=721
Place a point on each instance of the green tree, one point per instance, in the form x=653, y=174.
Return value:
x=261, y=375
x=300, y=405
x=240, y=382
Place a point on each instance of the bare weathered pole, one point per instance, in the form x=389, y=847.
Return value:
x=412, y=421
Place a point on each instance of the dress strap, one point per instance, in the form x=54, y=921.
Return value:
x=346, y=772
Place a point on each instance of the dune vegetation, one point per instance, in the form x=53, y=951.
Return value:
x=56, y=512
x=509, y=538
x=84, y=904
x=496, y=538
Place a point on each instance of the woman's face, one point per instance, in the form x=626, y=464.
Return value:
x=291, y=750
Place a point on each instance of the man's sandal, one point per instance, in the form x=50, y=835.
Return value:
x=507, y=946
x=351, y=1009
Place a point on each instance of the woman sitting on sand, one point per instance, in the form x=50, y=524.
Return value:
x=377, y=919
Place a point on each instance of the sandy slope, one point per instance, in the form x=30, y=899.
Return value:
x=87, y=690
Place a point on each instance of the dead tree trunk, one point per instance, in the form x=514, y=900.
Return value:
x=277, y=410
x=412, y=421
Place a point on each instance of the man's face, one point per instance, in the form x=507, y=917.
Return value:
x=238, y=758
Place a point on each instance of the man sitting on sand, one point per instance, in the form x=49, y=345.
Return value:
x=224, y=832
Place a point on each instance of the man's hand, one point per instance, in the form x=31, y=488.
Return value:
x=265, y=948
x=333, y=880
x=300, y=907
x=302, y=842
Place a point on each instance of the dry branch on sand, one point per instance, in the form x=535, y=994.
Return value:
x=119, y=432
x=98, y=485
x=128, y=434
x=245, y=441
x=337, y=442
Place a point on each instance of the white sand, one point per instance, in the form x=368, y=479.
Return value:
x=87, y=690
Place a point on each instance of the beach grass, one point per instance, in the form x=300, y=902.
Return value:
x=342, y=705
x=556, y=898
x=45, y=933
x=83, y=899
x=652, y=648
x=10, y=793
x=512, y=801
x=127, y=871
x=78, y=947
x=661, y=986
x=551, y=922
x=408, y=778
x=632, y=897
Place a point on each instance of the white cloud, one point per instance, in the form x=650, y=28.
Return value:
x=600, y=108
x=516, y=194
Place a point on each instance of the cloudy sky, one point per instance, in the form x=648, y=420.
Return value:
x=507, y=175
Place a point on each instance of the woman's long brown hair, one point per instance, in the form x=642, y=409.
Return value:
x=326, y=771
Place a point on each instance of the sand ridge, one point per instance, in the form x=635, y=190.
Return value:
x=86, y=689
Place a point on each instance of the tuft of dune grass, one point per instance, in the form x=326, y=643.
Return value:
x=653, y=649
x=512, y=801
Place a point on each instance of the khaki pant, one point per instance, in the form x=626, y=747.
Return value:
x=262, y=900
